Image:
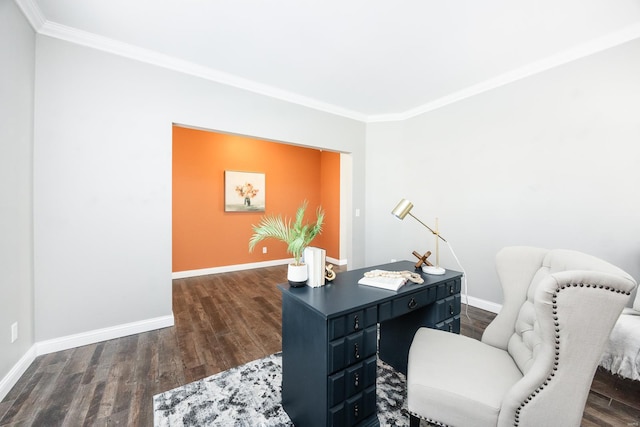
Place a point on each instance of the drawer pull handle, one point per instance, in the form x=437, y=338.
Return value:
x=450, y=327
x=356, y=380
x=412, y=303
x=451, y=311
x=356, y=323
x=451, y=289
x=356, y=351
x=356, y=410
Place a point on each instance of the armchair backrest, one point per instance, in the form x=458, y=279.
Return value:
x=559, y=309
x=516, y=267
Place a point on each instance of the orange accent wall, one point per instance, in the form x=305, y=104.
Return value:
x=206, y=236
x=330, y=200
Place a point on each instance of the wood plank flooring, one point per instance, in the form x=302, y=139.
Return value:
x=221, y=321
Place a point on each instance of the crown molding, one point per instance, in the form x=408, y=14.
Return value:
x=617, y=38
x=32, y=12
x=35, y=17
x=115, y=47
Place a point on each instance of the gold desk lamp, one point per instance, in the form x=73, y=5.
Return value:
x=400, y=211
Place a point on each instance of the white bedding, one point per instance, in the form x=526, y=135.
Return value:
x=622, y=354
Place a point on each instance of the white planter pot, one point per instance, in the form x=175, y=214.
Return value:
x=297, y=275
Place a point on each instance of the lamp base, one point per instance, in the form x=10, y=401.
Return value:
x=430, y=269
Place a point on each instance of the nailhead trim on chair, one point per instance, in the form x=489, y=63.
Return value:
x=429, y=420
x=557, y=330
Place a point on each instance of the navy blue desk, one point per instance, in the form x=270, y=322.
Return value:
x=332, y=336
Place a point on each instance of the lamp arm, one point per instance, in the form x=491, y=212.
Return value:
x=437, y=234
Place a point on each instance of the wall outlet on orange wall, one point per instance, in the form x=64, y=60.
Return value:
x=264, y=249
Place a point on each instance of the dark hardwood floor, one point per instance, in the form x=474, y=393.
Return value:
x=221, y=321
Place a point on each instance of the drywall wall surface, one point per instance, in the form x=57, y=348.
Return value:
x=548, y=161
x=17, y=47
x=102, y=177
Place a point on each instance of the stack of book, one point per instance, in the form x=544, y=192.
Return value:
x=382, y=281
x=315, y=258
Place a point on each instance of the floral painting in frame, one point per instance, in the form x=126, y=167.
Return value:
x=244, y=191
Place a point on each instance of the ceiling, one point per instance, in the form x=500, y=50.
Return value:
x=369, y=60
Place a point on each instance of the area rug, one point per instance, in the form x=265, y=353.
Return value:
x=249, y=395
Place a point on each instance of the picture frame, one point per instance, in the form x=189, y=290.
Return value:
x=244, y=191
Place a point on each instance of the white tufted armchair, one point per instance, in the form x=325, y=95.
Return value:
x=536, y=360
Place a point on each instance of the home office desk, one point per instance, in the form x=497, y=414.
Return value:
x=332, y=336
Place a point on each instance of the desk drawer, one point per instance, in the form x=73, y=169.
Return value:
x=450, y=325
x=445, y=308
x=353, y=380
x=352, y=349
x=411, y=302
x=359, y=407
x=353, y=322
x=354, y=410
x=449, y=288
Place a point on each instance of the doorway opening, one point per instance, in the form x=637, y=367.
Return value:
x=208, y=239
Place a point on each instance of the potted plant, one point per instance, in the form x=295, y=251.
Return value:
x=297, y=236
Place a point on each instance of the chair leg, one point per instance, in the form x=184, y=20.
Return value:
x=414, y=421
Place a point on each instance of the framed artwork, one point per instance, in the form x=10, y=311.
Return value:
x=244, y=191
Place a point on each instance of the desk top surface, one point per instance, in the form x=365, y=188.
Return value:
x=345, y=294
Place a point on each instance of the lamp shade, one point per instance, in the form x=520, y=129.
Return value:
x=402, y=209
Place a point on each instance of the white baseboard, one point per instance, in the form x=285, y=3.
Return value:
x=12, y=377
x=240, y=267
x=228, y=268
x=483, y=304
x=337, y=261
x=104, y=334
x=78, y=340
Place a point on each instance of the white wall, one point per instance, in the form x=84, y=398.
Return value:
x=17, y=41
x=102, y=181
x=551, y=160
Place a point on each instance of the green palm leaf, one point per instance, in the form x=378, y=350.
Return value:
x=297, y=236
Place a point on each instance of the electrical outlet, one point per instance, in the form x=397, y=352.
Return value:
x=264, y=249
x=14, y=332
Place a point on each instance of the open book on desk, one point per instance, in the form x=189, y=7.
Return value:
x=389, y=283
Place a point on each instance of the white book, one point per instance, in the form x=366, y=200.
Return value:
x=390, y=283
x=315, y=259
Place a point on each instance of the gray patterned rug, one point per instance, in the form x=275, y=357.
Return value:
x=249, y=395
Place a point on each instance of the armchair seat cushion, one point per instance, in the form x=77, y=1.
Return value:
x=470, y=394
